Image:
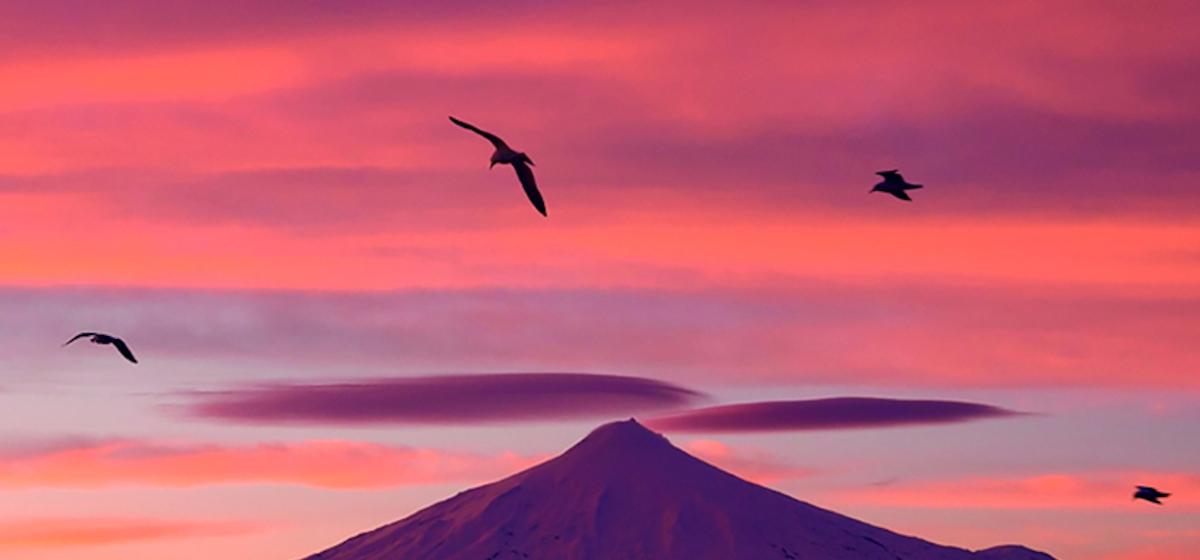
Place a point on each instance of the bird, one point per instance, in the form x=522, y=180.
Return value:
x=1149, y=494
x=894, y=184
x=518, y=160
x=100, y=338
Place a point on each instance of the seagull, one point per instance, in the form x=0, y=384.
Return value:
x=894, y=184
x=98, y=338
x=504, y=154
x=1149, y=494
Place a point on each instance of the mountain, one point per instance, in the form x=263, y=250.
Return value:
x=626, y=493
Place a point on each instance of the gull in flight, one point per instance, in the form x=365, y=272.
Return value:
x=504, y=154
x=1149, y=494
x=894, y=184
x=99, y=338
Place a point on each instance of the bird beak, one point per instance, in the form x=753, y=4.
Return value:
x=492, y=165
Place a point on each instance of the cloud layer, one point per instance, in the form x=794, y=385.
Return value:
x=1093, y=491
x=812, y=332
x=824, y=414
x=749, y=463
x=321, y=464
x=74, y=531
x=449, y=399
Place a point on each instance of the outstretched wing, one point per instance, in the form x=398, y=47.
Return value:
x=525, y=174
x=124, y=350
x=79, y=336
x=893, y=175
x=495, y=140
x=901, y=195
x=911, y=187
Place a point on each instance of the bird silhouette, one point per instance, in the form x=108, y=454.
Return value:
x=894, y=184
x=518, y=160
x=1149, y=494
x=100, y=338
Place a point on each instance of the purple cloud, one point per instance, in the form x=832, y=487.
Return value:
x=448, y=399
x=825, y=414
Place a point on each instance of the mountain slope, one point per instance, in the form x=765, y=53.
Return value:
x=625, y=493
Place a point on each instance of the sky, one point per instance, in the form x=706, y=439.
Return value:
x=341, y=315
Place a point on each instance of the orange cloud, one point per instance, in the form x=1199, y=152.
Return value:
x=1099, y=491
x=217, y=74
x=680, y=248
x=44, y=533
x=751, y=464
x=480, y=49
x=323, y=464
x=1154, y=553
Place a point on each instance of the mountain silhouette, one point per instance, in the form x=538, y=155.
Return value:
x=625, y=493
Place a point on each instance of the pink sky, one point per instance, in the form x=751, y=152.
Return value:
x=264, y=194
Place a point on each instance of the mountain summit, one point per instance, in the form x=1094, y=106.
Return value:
x=626, y=493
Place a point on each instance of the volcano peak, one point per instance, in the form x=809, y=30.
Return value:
x=625, y=493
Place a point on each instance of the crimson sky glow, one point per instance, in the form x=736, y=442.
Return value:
x=268, y=194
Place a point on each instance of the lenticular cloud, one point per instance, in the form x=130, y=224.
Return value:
x=825, y=414
x=451, y=399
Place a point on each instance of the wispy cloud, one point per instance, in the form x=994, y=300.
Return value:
x=1100, y=491
x=814, y=332
x=750, y=463
x=825, y=414
x=1188, y=551
x=321, y=463
x=92, y=531
x=448, y=399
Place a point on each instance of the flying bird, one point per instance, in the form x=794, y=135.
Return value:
x=504, y=154
x=894, y=184
x=1149, y=494
x=99, y=338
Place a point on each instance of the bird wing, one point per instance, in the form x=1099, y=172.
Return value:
x=124, y=350
x=901, y=195
x=1147, y=489
x=79, y=336
x=525, y=174
x=892, y=175
x=495, y=140
x=911, y=187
